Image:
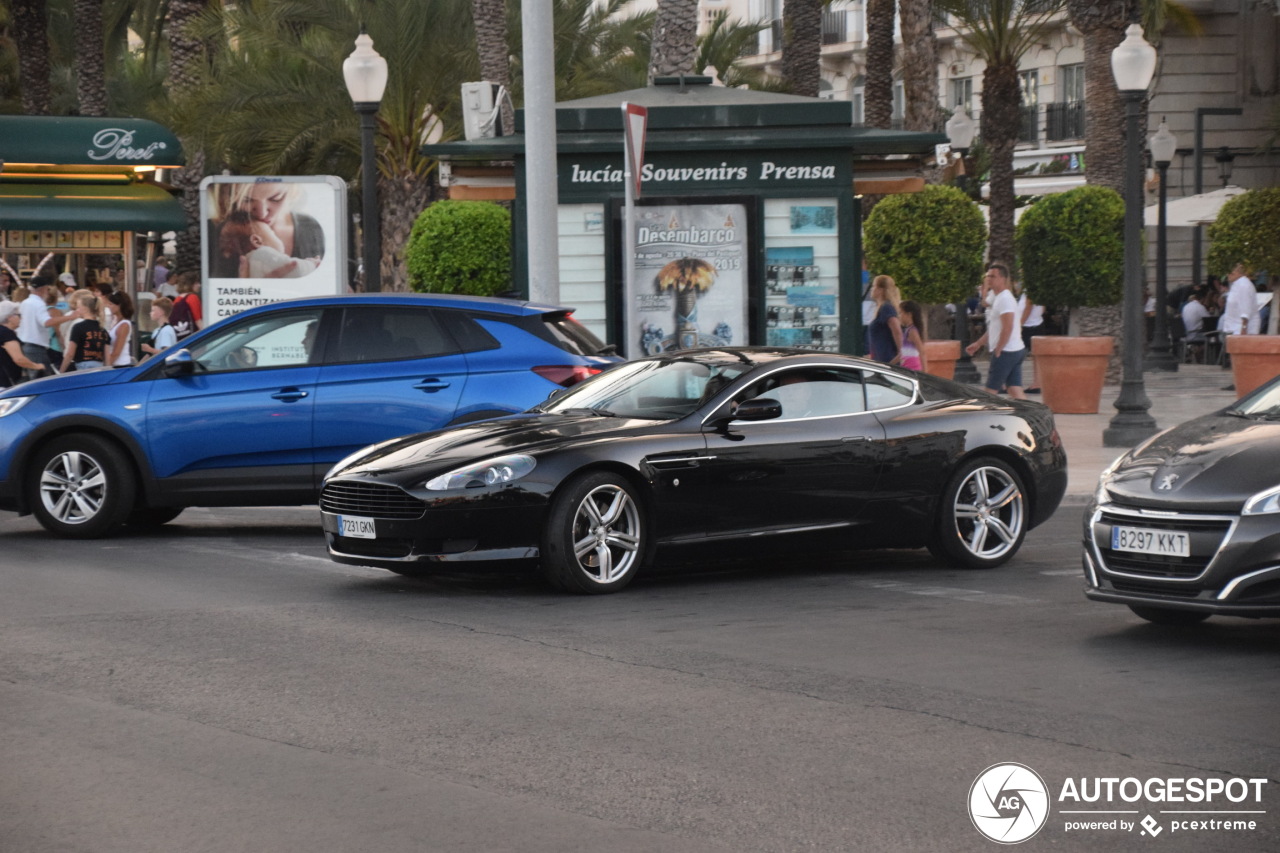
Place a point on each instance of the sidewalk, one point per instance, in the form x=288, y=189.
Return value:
x=1196, y=389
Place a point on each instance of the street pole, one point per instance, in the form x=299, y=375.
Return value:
x=372, y=250
x=1163, y=147
x=1132, y=422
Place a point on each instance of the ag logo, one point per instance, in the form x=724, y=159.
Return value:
x=1008, y=803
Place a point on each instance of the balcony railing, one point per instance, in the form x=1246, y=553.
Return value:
x=1063, y=121
x=835, y=27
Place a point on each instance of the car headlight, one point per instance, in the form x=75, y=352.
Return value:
x=9, y=405
x=1100, y=495
x=492, y=472
x=1263, y=502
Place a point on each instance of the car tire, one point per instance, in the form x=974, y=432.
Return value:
x=982, y=518
x=1165, y=616
x=80, y=486
x=595, y=537
x=147, y=517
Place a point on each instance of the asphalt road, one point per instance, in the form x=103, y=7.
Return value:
x=221, y=686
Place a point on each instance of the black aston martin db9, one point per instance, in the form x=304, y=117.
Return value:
x=718, y=446
x=1187, y=524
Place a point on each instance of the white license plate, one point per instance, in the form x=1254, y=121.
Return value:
x=1165, y=543
x=355, y=527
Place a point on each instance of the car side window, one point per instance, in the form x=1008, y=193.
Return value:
x=282, y=339
x=813, y=392
x=887, y=392
x=390, y=334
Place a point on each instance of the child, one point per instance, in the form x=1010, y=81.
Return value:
x=913, y=356
x=88, y=342
x=241, y=234
x=164, y=336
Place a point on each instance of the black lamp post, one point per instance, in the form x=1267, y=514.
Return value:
x=960, y=131
x=365, y=73
x=1133, y=63
x=1163, y=146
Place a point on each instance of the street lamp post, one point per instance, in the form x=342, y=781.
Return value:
x=960, y=131
x=365, y=73
x=1163, y=146
x=1133, y=63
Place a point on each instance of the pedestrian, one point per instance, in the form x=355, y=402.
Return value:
x=12, y=361
x=187, y=316
x=33, y=330
x=1194, y=313
x=913, y=336
x=163, y=337
x=1031, y=319
x=885, y=331
x=87, y=342
x=121, y=330
x=1240, y=314
x=1002, y=337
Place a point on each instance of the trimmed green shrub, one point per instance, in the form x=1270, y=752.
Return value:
x=460, y=247
x=931, y=242
x=1071, y=248
x=1247, y=231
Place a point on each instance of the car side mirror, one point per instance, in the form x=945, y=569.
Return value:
x=180, y=363
x=759, y=409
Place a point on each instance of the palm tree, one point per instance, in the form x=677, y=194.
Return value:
x=489, y=17
x=878, y=91
x=722, y=47
x=30, y=32
x=919, y=65
x=188, y=64
x=802, y=45
x=1000, y=32
x=90, y=63
x=1102, y=26
x=675, y=34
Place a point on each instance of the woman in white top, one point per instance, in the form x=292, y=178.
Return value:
x=121, y=331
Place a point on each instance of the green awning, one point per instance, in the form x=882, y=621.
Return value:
x=87, y=141
x=94, y=207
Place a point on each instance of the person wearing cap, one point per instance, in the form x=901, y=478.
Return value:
x=33, y=329
x=12, y=361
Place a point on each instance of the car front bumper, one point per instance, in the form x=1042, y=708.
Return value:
x=1233, y=568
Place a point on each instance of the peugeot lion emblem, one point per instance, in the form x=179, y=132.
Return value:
x=1167, y=483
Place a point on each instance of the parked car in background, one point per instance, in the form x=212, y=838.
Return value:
x=728, y=446
x=253, y=410
x=1187, y=524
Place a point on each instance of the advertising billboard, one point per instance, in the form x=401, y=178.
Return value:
x=267, y=239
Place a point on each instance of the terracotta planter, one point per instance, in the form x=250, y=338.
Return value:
x=1255, y=360
x=941, y=356
x=1072, y=371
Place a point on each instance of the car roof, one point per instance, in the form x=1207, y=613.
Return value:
x=763, y=355
x=489, y=304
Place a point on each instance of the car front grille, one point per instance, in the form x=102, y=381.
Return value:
x=349, y=497
x=1207, y=535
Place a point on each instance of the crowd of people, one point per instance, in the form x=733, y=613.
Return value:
x=1218, y=308
x=53, y=325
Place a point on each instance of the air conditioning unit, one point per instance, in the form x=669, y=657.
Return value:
x=480, y=109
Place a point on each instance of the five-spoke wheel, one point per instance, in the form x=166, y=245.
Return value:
x=983, y=515
x=80, y=486
x=594, y=541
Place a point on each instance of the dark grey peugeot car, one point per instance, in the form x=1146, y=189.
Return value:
x=1187, y=524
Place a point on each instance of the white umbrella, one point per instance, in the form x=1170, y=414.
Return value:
x=1193, y=209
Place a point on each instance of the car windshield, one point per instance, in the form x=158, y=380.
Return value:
x=1263, y=404
x=654, y=389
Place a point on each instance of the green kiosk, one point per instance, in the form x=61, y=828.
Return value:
x=746, y=231
x=72, y=186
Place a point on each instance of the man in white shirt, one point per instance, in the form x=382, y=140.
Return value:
x=33, y=332
x=1240, y=316
x=1003, y=335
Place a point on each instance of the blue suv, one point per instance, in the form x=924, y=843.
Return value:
x=255, y=409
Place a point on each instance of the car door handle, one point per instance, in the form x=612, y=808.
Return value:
x=431, y=385
x=288, y=395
